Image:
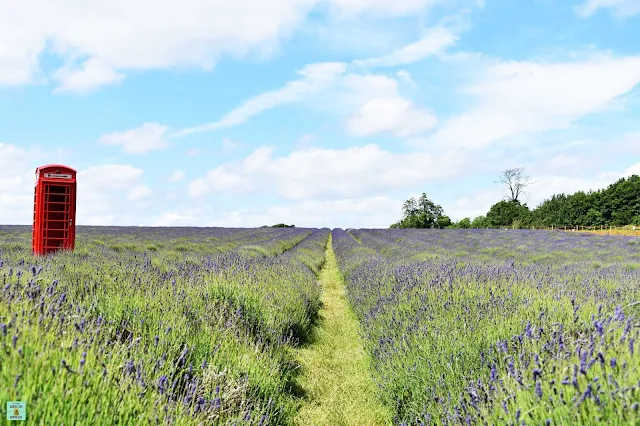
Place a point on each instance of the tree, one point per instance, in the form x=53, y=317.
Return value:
x=618, y=204
x=515, y=181
x=480, y=222
x=464, y=223
x=422, y=213
x=443, y=222
x=504, y=213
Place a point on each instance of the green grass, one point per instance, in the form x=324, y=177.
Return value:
x=336, y=373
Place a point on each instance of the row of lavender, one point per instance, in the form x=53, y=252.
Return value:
x=146, y=326
x=498, y=327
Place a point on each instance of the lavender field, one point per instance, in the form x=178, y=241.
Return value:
x=201, y=325
x=157, y=326
x=498, y=327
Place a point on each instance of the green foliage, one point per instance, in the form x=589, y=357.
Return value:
x=618, y=204
x=463, y=223
x=422, y=213
x=504, y=213
x=480, y=222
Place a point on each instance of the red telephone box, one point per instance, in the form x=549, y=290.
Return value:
x=54, y=209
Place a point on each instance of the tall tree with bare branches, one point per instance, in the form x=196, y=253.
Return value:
x=515, y=182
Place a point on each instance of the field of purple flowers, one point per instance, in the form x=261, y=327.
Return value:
x=199, y=326
x=157, y=325
x=498, y=327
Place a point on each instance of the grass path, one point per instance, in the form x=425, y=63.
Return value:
x=335, y=368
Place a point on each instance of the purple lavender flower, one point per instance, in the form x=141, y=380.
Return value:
x=618, y=315
x=493, y=374
x=217, y=403
x=585, y=395
x=162, y=382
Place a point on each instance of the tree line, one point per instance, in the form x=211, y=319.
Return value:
x=616, y=205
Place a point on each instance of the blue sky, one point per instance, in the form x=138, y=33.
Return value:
x=317, y=113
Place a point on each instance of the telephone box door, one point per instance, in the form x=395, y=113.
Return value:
x=58, y=226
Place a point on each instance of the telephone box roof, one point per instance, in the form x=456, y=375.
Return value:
x=55, y=166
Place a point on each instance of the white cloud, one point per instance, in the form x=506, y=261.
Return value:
x=520, y=97
x=328, y=80
x=139, y=193
x=191, y=33
x=103, y=192
x=619, y=8
x=19, y=49
x=371, y=212
x=108, y=177
x=379, y=107
x=372, y=101
x=218, y=180
x=568, y=162
x=394, y=114
x=632, y=170
x=316, y=172
x=381, y=7
x=314, y=78
x=92, y=74
x=405, y=76
x=355, y=90
x=177, y=219
x=433, y=41
x=174, y=35
x=229, y=145
x=143, y=139
x=474, y=204
x=17, y=177
x=176, y=176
